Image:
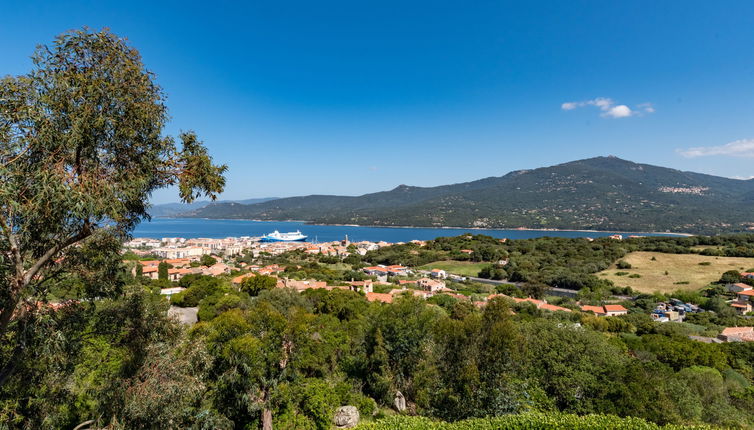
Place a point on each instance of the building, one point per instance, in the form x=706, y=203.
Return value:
x=430, y=285
x=739, y=287
x=397, y=270
x=606, y=310
x=438, y=273
x=744, y=301
x=615, y=310
x=362, y=286
x=380, y=297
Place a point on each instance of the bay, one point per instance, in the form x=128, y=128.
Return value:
x=218, y=229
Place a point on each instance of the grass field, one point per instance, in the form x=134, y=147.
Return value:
x=683, y=271
x=463, y=268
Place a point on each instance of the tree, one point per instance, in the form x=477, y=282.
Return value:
x=162, y=271
x=256, y=284
x=207, y=260
x=730, y=277
x=258, y=351
x=81, y=150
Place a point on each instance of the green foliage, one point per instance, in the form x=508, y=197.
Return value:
x=162, y=271
x=81, y=136
x=200, y=288
x=207, y=260
x=522, y=421
x=622, y=264
x=730, y=277
x=253, y=285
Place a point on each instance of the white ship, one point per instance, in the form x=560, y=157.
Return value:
x=276, y=236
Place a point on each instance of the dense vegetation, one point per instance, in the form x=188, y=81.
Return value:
x=87, y=342
x=292, y=358
x=523, y=421
x=603, y=193
x=556, y=262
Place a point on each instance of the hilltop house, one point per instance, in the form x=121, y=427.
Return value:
x=606, y=310
x=744, y=301
x=430, y=285
x=737, y=288
x=438, y=273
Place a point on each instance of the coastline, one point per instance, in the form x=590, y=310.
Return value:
x=656, y=233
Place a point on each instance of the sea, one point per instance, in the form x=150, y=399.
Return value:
x=218, y=229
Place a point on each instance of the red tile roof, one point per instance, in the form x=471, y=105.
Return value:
x=380, y=297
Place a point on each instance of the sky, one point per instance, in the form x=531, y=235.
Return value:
x=351, y=97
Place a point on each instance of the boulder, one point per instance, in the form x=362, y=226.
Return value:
x=399, y=402
x=346, y=417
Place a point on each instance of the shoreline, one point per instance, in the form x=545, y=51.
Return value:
x=656, y=233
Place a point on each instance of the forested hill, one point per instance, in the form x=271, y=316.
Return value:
x=602, y=193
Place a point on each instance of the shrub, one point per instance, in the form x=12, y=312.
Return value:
x=623, y=264
x=520, y=421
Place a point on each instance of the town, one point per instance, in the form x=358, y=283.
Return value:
x=236, y=259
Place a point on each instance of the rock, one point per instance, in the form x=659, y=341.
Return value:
x=346, y=417
x=399, y=402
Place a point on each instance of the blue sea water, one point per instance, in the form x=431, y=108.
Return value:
x=213, y=228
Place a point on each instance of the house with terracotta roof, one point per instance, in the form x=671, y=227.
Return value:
x=597, y=310
x=375, y=271
x=749, y=275
x=431, y=285
x=397, y=270
x=738, y=287
x=379, y=297
x=539, y=304
x=615, y=310
x=366, y=286
x=744, y=302
x=438, y=273
x=151, y=272
x=238, y=279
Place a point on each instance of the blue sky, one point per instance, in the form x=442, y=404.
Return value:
x=353, y=97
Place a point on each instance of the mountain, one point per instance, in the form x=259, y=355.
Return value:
x=173, y=209
x=602, y=193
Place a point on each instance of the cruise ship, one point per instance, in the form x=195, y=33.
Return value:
x=276, y=236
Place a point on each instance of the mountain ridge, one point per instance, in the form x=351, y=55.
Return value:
x=600, y=193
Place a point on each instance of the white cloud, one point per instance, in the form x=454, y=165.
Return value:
x=739, y=148
x=620, y=111
x=609, y=108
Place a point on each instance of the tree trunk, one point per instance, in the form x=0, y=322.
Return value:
x=266, y=419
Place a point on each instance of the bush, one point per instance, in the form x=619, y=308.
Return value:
x=520, y=421
x=623, y=264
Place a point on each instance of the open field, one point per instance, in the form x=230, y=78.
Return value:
x=463, y=268
x=683, y=271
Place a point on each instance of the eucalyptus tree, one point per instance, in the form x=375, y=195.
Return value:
x=82, y=147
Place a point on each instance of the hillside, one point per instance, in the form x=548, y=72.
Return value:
x=173, y=209
x=603, y=193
